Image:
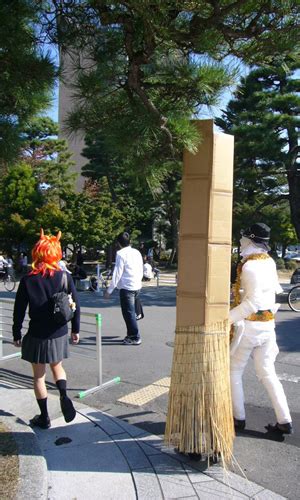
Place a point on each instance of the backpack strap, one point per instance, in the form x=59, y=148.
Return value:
x=64, y=282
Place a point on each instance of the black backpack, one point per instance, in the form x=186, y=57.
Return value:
x=62, y=312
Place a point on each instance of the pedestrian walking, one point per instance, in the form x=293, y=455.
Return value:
x=46, y=341
x=79, y=259
x=254, y=333
x=127, y=277
x=142, y=249
x=10, y=265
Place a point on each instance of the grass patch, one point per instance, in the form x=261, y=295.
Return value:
x=9, y=464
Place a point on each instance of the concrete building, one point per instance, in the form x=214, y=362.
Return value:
x=65, y=105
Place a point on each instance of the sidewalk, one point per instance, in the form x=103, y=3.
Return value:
x=98, y=456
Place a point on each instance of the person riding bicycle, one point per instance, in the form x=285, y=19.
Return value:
x=3, y=265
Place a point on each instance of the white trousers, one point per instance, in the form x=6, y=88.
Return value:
x=261, y=344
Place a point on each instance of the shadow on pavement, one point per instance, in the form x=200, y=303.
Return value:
x=270, y=436
x=164, y=296
x=287, y=333
x=26, y=382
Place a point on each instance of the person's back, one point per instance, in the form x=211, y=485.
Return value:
x=46, y=341
x=39, y=290
x=127, y=277
x=147, y=271
x=132, y=268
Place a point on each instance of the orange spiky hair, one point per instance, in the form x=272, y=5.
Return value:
x=46, y=254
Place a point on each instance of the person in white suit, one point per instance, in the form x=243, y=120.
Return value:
x=254, y=326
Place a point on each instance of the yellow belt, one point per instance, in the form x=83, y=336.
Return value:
x=265, y=315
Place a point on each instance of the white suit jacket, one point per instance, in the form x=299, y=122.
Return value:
x=259, y=284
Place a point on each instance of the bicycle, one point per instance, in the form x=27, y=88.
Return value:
x=293, y=298
x=8, y=281
x=100, y=281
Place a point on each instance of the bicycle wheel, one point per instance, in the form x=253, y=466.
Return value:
x=104, y=284
x=94, y=284
x=9, y=283
x=105, y=277
x=293, y=298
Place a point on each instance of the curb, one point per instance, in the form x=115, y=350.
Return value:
x=33, y=480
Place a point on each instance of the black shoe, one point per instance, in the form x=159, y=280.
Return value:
x=131, y=341
x=67, y=409
x=239, y=425
x=282, y=428
x=195, y=456
x=215, y=458
x=39, y=421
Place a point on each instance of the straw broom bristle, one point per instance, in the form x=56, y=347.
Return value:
x=199, y=416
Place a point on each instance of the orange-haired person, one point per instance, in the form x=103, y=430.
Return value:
x=45, y=342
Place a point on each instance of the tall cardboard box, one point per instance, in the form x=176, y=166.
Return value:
x=199, y=414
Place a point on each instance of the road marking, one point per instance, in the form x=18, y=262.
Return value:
x=148, y=393
x=162, y=386
x=288, y=378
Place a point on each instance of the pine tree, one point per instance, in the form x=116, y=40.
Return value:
x=264, y=118
x=49, y=158
x=38, y=190
x=145, y=68
x=26, y=75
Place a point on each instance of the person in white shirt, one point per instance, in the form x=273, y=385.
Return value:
x=254, y=333
x=147, y=270
x=127, y=277
x=3, y=263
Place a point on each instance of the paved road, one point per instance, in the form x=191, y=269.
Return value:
x=273, y=464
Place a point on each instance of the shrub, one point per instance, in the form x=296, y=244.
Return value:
x=291, y=265
x=280, y=264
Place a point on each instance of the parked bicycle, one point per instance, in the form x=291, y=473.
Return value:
x=8, y=281
x=101, y=281
x=293, y=298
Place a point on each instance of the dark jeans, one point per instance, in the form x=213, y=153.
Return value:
x=127, y=300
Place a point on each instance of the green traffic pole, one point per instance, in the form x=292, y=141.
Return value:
x=115, y=380
x=99, y=347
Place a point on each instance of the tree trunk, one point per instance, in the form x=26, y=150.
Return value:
x=172, y=257
x=109, y=257
x=173, y=218
x=283, y=251
x=293, y=175
x=294, y=198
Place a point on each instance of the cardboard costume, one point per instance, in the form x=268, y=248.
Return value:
x=199, y=416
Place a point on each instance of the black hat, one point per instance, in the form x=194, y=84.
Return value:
x=259, y=233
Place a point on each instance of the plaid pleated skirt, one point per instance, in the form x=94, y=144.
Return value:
x=37, y=350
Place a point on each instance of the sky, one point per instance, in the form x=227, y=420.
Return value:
x=52, y=112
